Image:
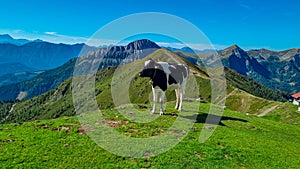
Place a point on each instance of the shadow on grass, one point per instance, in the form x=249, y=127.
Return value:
x=213, y=119
x=171, y=114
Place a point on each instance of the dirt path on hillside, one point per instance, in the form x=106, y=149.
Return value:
x=267, y=111
x=12, y=108
x=232, y=93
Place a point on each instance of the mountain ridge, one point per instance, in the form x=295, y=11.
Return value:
x=40, y=55
x=7, y=39
x=248, y=63
x=50, y=79
x=58, y=102
x=278, y=70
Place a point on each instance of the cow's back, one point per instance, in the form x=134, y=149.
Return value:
x=178, y=74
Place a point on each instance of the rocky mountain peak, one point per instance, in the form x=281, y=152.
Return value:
x=141, y=44
x=233, y=50
x=233, y=47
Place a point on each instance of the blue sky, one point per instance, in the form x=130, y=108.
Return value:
x=248, y=23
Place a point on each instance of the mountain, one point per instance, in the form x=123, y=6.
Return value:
x=17, y=77
x=263, y=127
x=284, y=68
x=235, y=58
x=276, y=70
x=234, y=78
x=141, y=45
x=133, y=51
x=5, y=38
x=14, y=67
x=39, y=84
x=189, y=50
x=58, y=102
x=40, y=55
x=50, y=79
x=20, y=63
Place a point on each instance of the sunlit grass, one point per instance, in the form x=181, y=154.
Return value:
x=239, y=141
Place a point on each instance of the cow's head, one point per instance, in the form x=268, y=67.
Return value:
x=149, y=68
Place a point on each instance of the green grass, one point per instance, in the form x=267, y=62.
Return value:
x=240, y=141
x=285, y=112
x=246, y=103
x=277, y=111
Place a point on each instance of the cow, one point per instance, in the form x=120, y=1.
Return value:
x=162, y=76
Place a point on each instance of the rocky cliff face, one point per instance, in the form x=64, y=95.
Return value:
x=135, y=50
x=236, y=58
x=277, y=70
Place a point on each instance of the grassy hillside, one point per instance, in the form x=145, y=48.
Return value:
x=59, y=102
x=251, y=86
x=278, y=111
x=41, y=83
x=239, y=141
x=285, y=112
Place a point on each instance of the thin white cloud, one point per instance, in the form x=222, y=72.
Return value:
x=245, y=6
x=101, y=42
x=50, y=33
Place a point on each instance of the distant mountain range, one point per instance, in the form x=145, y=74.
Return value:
x=12, y=78
x=7, y=39
x=39, y=55
x=14, y=67
x=21, y=58
x=279, y=70
x=276, y=70
x=58, y=102
x=190, y=50
x=50, y=79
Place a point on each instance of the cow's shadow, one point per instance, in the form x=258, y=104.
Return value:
x=211, y=119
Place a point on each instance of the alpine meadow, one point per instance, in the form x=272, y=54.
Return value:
x=149, y=84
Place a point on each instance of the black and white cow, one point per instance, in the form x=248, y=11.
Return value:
x=164, y=75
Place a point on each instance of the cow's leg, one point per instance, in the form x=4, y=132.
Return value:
x=154, y=100
x=162, y=101
x=177, y=98
x=182, y=90
x=180, y=99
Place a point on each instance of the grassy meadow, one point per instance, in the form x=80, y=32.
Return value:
x=239, y=141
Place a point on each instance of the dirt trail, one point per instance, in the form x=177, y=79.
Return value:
x=12, y=108
x=232, y=93
x=267, y=111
